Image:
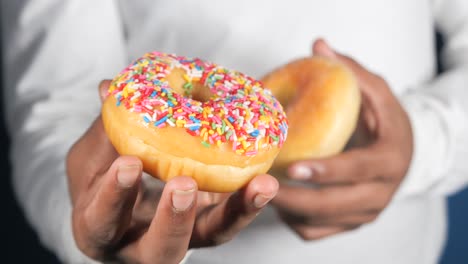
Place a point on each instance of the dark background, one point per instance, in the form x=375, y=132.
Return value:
x=20, y=244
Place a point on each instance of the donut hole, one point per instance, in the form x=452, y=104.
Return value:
x=284, y=87
x=200, y=92
x=195, y=90
x=287, y=94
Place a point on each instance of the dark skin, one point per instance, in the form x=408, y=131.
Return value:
x=116, y=219
x=353, y=187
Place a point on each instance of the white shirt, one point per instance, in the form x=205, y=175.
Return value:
x=57, y=51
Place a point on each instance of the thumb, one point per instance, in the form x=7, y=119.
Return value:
x=103, y=87
x=370, y=84
x=347, y=167
x=321, y=48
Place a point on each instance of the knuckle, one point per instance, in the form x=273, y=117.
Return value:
x=311, y=234
x=373, y=214
x=372, y=218
x=394, y=170
x=301, y=231
x=104, y=237
x=386, y=199
x=379, y=82
x=364, y=170
x=87, y=246
x=179, y=232
x=368, y=173
x=369, y=193
x=400, y=165
x=326, y=207
x=379, y=79
x=380, y=199
x=353, y=227
x=100, y=235
x=365, y=174
x=306, y=236
x=93, y=242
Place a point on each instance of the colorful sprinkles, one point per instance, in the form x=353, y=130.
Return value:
x=239, y=112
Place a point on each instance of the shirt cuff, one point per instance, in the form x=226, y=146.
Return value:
x=430, y=138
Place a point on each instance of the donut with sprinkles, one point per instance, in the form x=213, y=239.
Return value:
x=186, y=116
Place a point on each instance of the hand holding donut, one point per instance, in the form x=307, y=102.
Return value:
x=114, y=218
x=186, y=116
x=351, y=188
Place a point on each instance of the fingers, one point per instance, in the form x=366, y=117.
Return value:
x=313, y=233
x=220, y=223
x=353, y=187
x=101, y=224
x=331, y=201
x=365, y=77
x=385, y=124
x=376, y=92
x=351, y=166
x=372, y=86
x=321, y=48
x=103, y=87
x=346, y=220
x=315, y=214
x=168, y=236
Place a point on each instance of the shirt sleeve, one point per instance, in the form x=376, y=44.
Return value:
x=438, y=111
x=56, y=52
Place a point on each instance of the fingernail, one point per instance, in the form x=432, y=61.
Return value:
x=127, y=175
x=261, y=200
x=182, y=199
x=301, y=172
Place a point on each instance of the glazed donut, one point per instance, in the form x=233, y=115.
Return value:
x=185, y=116
x=322, y=101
